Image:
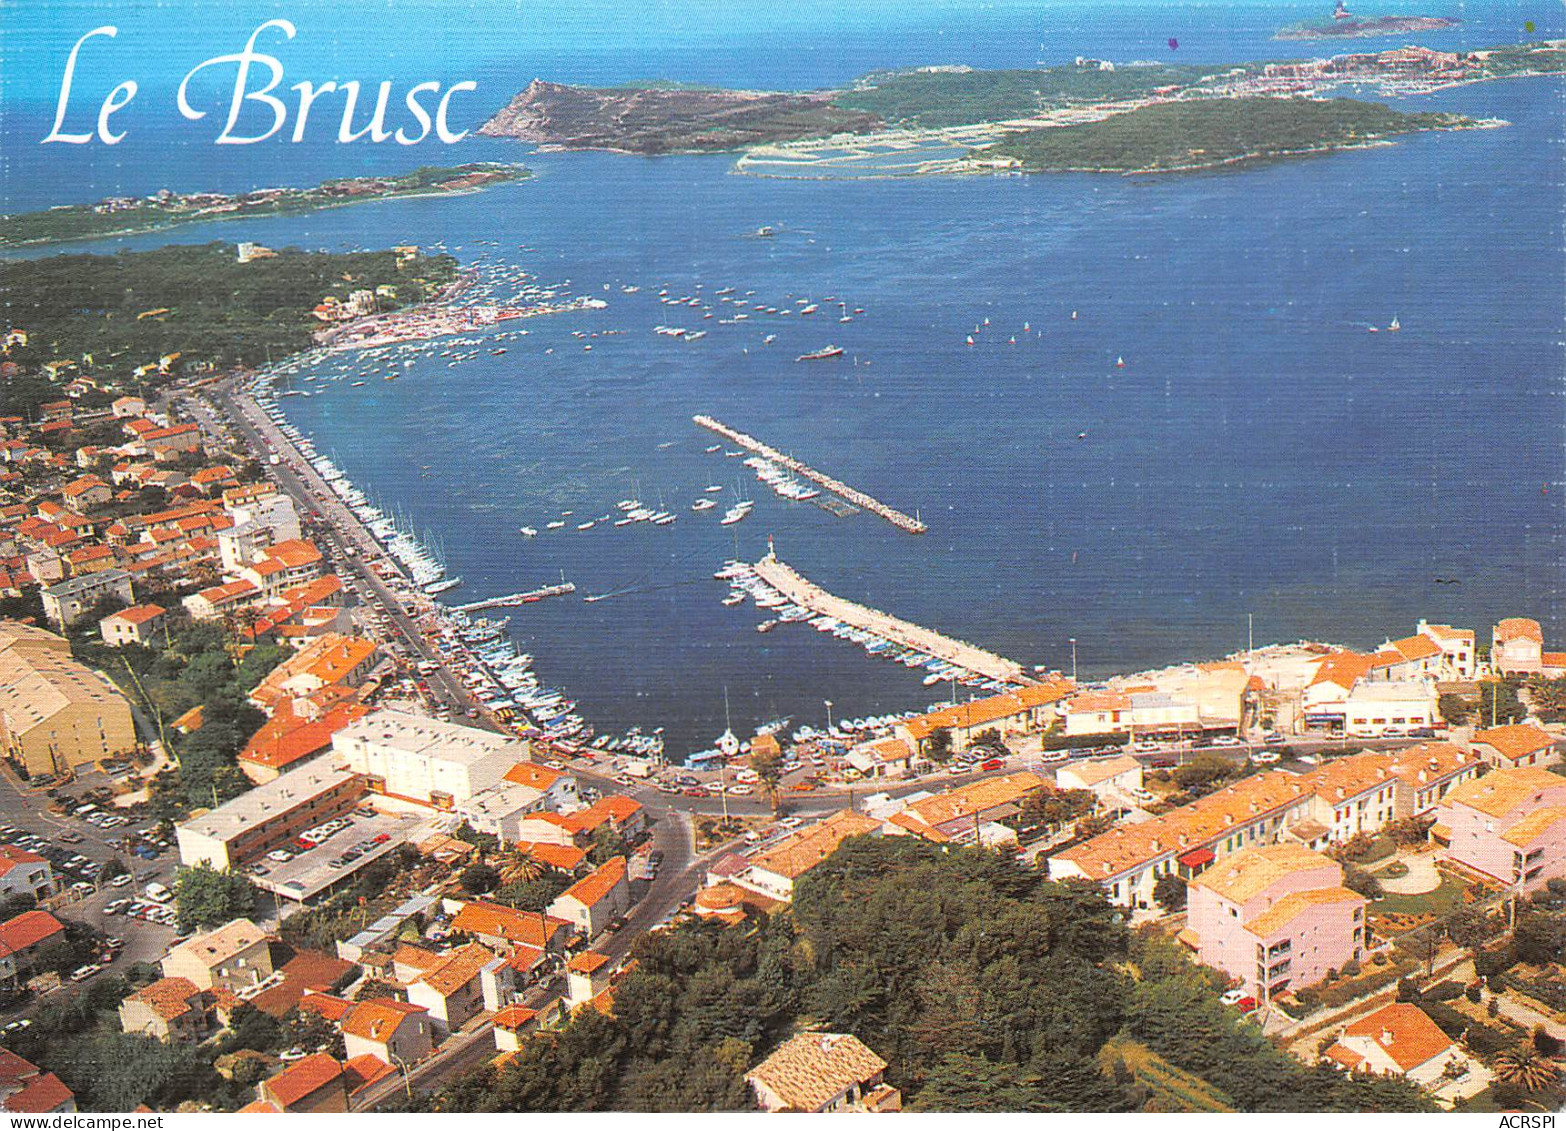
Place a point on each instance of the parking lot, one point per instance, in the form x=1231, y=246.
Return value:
x=310, y=866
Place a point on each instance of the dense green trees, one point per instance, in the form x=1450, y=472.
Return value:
x=1203, y=132
x=206, y=897
x=197, y=300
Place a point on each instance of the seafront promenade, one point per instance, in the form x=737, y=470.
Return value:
x=809, y=595
x=861, y=500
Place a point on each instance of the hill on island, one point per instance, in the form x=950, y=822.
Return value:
x=1204, y=133
x=654, y=120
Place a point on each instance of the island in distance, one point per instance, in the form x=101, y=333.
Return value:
x=667, y=120
x=1345, y=25
x=1086, y=116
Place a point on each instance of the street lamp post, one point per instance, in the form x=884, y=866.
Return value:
x=828, y=703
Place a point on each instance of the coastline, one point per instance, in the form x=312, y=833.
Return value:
x=302, y=208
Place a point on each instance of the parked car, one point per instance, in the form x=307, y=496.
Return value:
x=1224, y=740
x=1266, y=757
x=1054, y=756
x=992, y=764
x=120, y=880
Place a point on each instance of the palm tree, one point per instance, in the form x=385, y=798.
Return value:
x=520, y=867
x=1525, y=1067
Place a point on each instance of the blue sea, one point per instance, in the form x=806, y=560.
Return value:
x=1260, y=453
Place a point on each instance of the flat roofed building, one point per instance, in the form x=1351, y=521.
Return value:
x=55, y=713
x=268, y=816
x=425, y=760
x=1377, y=707
x=65, y=601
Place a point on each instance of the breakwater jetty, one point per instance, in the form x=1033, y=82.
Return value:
x=861, y=500
x=793, y=586
x=526, y=598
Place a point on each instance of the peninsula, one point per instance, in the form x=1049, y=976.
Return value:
x=668, y=120
x=1364, y=27
x=152, y=315
x=125, y=215
x=1209, y=133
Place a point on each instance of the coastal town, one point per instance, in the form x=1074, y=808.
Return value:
x=268, y=810
x=820, y=814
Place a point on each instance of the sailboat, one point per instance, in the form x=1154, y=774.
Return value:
x=1120, y=362
x=1394, y=326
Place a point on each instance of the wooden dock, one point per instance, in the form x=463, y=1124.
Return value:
x=858, y=498
x=809, y=595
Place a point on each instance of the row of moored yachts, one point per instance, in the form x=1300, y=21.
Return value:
x=744, y=583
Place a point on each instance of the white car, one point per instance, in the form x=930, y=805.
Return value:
x=1224, y=740
x=120, y=880
x=1266, y=757
x=1055, y=756
x=741, y=790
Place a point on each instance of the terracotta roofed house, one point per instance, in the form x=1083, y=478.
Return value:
x=1508, y=827
x=1399, y=1040
x=1274, y=918
x=24, y=1090
x=396, y=1032
x=1517, y=647
x=170, y=1009
x=314, y=1084
x=594, y=901
x=823, y=1072
x=1521, y=744
x=774, y=871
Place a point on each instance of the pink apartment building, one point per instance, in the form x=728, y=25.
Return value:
x=1276, y=918
x=1508, y=826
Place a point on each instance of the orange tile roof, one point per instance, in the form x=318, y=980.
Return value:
x=1242, y=876
x=169, y=998
x=514, y=1017
x=1528, y=830
x=980, y=712
x=918, y=828
x=797, y=854
x=1099, y=701
x=1447, y=632
x=588, y=962
x=459, y=967
x=564, y=857
x=533, y=775
x=1419, y=647
x=28, y=929
x=326, y=1005
x=1207, y=819
x=1092, y=773
x=1344, y=669
x=38, y=1095
x=975, y=797
x=595, y=887
x=138, y=614
x=1429, y=762
x=1502, y=792
x=361, y=1071
x=1553, y=659
x=529, y=928
x=1519, y=628
x=285, y=738
x=11, y=857
x=378, y=1018
x=303, y=1078
x=1292, y=906
x=1404, y=1032
x=810, y=1070
x=1516, y=741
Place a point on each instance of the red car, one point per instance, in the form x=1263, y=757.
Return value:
x=1246, y=1004
x=302, y=844
x=992, y=764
